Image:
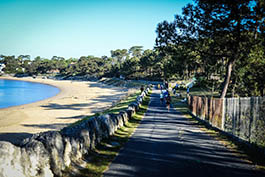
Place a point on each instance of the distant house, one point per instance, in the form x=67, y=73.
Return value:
x=54, y=71
x=2, y=66
x=72, y=63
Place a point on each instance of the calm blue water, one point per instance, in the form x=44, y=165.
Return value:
x=14, y=93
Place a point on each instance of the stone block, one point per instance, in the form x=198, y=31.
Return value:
x=10, y=160
x=35, y=159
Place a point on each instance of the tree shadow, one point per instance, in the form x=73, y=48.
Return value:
x=14, y=138
x=111, y=87
x=167, y=144
x=193, y=155
x=79, y=106
x=73, y=117
x=54, y=126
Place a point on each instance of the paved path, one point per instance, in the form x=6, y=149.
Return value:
x=167, y=144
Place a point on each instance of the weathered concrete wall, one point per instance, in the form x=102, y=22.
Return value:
x=49, y=153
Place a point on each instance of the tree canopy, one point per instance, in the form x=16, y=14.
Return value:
x=214, y=37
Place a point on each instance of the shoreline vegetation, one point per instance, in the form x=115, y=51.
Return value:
x=76, y=100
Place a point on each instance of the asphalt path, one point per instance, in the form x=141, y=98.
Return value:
x=167, y=144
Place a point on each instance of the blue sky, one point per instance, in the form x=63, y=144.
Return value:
x=74, y=28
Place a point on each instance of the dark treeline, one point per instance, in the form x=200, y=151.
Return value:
x=133, y=63
x=220, y=42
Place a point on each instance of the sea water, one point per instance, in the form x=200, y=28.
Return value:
x=14, y=93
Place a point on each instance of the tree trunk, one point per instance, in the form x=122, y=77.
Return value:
x=234, y=88
x=261, y=90
x=227, y=78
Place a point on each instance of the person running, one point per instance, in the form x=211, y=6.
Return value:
x=166, y=85
x=165, y=93
x=168, y=100
x=142, y=88
x=161, y=98
x=188, y=91
x=175, y=88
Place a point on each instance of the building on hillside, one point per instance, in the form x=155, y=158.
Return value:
x=54, y=71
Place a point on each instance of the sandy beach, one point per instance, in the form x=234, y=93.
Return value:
x=76, y=100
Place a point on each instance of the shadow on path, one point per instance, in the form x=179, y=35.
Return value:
x=168, y=144
x=14, y=138
x=55, y=126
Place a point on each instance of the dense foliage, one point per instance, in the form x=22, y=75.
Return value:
x=219, y=39
x=134, y=63
x=221, y=42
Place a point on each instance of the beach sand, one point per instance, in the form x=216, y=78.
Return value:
x=76, y=100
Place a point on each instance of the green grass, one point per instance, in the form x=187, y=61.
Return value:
x=101, y=157
x=198, y=91
x=251, y=153
x=123, y=104
x=203, y=92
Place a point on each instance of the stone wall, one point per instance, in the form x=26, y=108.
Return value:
x=49, y=153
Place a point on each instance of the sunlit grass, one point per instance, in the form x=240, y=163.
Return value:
x=198, y=91
x=123, y=104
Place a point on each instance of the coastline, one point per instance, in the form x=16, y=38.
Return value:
x=75, y=100
x=32, y=81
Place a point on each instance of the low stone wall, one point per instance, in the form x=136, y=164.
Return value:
x=49, y=153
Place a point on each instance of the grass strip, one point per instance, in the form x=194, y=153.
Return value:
x=99, y=159
x=123, y=104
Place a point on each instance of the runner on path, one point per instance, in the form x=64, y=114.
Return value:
x=168, y=144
